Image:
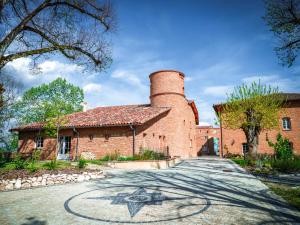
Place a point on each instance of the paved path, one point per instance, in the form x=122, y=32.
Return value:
x=198, y=191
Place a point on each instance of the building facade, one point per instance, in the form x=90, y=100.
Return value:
x=208, y=140
x=167, y=124
x=234, y=141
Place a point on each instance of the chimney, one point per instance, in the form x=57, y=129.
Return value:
x=85, y=106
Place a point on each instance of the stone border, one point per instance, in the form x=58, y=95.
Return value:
x=147, y=164
x=48, y=179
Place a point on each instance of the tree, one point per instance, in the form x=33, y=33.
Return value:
x=48, y=104
x=38, y=104
x=283, y=18
x=9, y=90
x=77, y=29
x=252, y=108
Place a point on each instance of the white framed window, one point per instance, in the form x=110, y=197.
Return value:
x=286, y=123
x=39, y=142
x=245, y=147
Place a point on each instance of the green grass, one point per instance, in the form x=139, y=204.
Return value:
x=291, y=195
x=96, y=161
x=36, y=166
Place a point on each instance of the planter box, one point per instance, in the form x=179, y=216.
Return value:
x=147, y=164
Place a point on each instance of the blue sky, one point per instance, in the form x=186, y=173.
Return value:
x=217, y=44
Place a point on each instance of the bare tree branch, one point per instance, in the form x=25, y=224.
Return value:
x=75, y=28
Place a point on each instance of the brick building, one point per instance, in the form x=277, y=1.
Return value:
x=234, y=141
x=167, y=124
x=207, y=140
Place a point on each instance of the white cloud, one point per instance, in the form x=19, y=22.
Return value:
x=218, y=91
x=91, y=88
x=50, y=66
x=262, y=79
x=49, y=70
x=127, y=76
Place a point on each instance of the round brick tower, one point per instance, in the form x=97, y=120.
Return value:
x=167, y=88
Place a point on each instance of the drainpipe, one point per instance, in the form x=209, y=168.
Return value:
x=133, y=138
x=75, y=131
x=221, y=133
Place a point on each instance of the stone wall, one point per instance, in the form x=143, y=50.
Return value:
x=48, y=179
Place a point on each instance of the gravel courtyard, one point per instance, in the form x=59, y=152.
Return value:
x=197, y=191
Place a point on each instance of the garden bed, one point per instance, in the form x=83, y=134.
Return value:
x=145, y=164
x=23, y=174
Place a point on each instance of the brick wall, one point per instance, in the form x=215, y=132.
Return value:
x=174, y=130
x=233, y=139
x=204, y=142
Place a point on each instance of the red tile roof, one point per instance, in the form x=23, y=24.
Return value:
x=195, y=110
x=107, y=116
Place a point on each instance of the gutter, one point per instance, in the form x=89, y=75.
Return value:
x=133, y=138
x=76, y=154
x=221, y=134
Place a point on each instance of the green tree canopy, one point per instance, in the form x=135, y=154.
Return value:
x=57, y=98
x=252, y=108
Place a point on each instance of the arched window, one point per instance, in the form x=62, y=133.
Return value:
x=286, y=123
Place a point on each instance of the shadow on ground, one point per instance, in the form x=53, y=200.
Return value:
x=206, y=177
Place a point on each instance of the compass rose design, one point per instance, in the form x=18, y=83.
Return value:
x=135, y=201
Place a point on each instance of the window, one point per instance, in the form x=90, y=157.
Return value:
x=106, y=136
x=245, y=147
x=91, y=137
x=286, y=123
x=39, y=141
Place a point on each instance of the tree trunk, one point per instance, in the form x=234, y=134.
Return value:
x=253, y=144
x=57, y=141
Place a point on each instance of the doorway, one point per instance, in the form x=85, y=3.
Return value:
x=64, y=148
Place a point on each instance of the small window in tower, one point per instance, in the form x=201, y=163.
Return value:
x=153, y=134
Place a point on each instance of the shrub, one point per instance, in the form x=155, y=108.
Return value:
x=231, y=155
x=243, y=162
x=32, y=167
x=105, y=158
x=34, y=157
x=282, y=148
x=52, y=165
x=82, y=163
x=286, y=165
x=111, y=157
x=147, y=154
x=19, y=162
x=126, y=158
